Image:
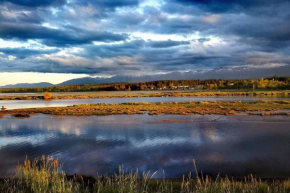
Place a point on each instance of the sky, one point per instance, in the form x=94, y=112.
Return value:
x=57, y=40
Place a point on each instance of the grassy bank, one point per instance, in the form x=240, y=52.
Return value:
x=216, y=93
x=45, y=176
x=233, y=108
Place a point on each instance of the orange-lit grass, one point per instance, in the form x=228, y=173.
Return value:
x=45, y=175
x=179, y=108
x=215, y=93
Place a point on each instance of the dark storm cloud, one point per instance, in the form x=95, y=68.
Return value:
x=259, y=23
x=35, y=3
x=221, y=6
x=133, y=48
x=110, y=4
x=265, y=32
x=160, y=55
x=164, y=44
x=105, y=35
x=22, y=17
x=202, y=40
x=104, y=8
x=126, y=21
x=56, y=37
x=22, y=53
x=172, y=61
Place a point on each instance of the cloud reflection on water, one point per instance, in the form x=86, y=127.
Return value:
x=91, y=145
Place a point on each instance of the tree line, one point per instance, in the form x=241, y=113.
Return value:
x=267, y=83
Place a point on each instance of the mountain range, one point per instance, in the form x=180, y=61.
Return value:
x=219, y=73
x=28, y=85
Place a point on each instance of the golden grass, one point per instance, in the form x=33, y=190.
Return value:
x=230, y=108
x=45, y=175
x=157, y=94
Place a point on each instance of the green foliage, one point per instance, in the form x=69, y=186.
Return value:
x=270, y=83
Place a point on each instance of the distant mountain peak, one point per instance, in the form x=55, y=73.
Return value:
x=219, y=73
x=28, y=85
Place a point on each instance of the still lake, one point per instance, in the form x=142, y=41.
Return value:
x=19, y=104
x=236, y=146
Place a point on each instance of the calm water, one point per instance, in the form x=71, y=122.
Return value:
x=99, y=144
x=18, y=104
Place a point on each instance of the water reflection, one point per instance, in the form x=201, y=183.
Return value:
x=91, y=145
x=19, y=104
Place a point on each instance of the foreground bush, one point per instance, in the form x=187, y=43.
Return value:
x=40, y=175
x=47, y=96
x=45, y=176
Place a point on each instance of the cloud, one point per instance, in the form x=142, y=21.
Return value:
x=111, y=4
x=56, y=37
x=264, y=58
x=166, y=44
x=248, y=22
x=220, y=6
x=12, y=16
x=211, y=18
x=104, y=7
x=144, y=37
x=257, y=31
x=24, y=52
x=33, y=3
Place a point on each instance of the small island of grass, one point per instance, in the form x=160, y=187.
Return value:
x=233, y=108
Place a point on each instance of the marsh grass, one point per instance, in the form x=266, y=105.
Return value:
x=231, y=108
x=39, y=175
x=206, y=93
x=45, y=175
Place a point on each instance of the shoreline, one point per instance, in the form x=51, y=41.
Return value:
x=94, y=95
x=227, y=108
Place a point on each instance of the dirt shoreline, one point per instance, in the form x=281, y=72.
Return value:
x=228, y=108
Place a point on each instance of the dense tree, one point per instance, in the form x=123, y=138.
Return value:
x=267, y=83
